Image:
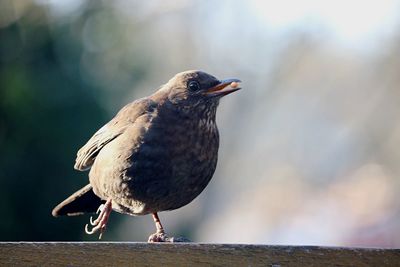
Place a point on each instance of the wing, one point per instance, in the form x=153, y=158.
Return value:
x=125, y=117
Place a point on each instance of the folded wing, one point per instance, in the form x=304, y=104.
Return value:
x=125, y=117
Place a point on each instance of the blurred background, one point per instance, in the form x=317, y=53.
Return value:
x=310, y=148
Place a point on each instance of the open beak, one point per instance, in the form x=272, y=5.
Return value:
x=225, y=87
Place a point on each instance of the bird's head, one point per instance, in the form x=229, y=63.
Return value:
x=191, y=89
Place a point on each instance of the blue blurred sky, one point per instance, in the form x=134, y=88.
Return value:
x=354, y=23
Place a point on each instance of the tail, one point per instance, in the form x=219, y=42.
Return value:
x=80, y=202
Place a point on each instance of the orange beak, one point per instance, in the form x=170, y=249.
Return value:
x=225, y=87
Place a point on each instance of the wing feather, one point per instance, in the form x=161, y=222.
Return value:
x=125, y=117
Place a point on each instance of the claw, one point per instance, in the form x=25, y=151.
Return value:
x=100, y=223
x=95, y=229
x=89, y=232
x=100, y=209
x=93, y=222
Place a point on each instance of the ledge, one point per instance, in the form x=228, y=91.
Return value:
x=188, y=254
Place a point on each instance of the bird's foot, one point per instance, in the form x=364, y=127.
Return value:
x=162, y=237
x=101, y=221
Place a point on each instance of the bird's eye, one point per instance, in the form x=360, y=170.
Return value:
x=193, y=86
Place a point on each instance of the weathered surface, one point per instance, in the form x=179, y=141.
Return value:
x=188, y=254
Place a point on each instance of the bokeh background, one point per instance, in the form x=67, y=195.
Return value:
x=310, y=148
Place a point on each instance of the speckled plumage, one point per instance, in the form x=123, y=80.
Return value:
x=161, y=162
x=158, y=153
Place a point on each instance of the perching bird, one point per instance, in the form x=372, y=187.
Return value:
x=158, y=153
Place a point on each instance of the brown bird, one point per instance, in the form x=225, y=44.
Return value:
x=158, y=153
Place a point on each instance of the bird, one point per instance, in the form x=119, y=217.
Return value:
x=157, y=154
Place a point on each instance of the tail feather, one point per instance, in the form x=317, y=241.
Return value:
x=82, y=201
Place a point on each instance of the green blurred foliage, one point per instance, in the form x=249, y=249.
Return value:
x=47, y=111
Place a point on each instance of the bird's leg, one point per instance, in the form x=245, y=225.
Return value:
x=101, y=221
x=160, y=228
x=160, y=235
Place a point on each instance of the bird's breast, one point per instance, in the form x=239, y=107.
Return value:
x=160, y=164
x=174, y=163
